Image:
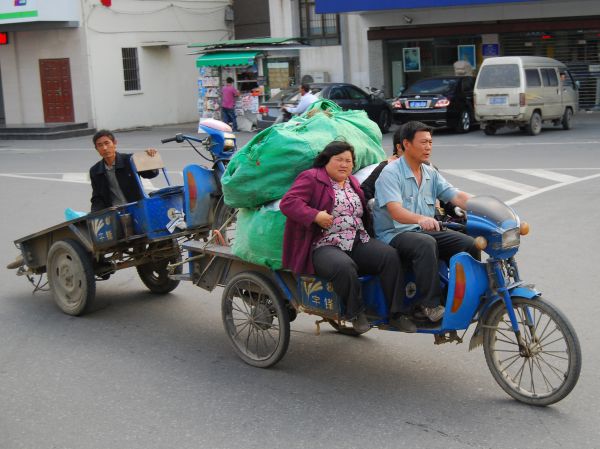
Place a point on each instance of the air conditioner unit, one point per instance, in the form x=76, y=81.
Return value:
x=316, y=77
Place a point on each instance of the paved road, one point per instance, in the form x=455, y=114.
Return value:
x=157, y=372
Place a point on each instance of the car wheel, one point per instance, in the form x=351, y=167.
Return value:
x=489, y=130
x=464, y=122
x=566, y=119
x=385, y=121
x=535, y=124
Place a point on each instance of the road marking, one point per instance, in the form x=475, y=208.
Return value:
x=546, y=174
x=494, y=181
x=526, y=196
x=76, y=177
x=41, y=178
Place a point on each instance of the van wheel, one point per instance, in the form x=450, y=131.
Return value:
x=489, y=130
x=566, y=119
x=464, y=123
x=535, y=124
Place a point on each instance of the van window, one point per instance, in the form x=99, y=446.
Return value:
x=566, y=79
x=533, y=78
x=549, y=77
x=498, y=75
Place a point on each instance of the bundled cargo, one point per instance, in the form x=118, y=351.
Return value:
x=259, y=236
x=265, y=168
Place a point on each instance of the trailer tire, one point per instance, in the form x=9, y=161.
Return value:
x=71, y=277
x=155, y=275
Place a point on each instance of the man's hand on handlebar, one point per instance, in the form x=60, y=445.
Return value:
x=429, y=224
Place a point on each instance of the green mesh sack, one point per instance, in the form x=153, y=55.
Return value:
x=265, y=168
x=259, y=235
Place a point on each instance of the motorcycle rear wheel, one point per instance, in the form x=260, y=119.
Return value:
x=551, y=365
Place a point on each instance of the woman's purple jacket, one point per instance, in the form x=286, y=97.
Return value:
x=311, y=193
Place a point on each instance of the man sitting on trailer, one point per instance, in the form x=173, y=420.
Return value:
x=113, y=180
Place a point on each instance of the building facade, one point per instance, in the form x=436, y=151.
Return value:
x=390, y=44
x=111, y=63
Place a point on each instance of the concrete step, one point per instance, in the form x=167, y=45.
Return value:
x=46, y=134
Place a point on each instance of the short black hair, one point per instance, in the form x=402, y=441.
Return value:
x=103, y=133
x=305, y=87
x=333, y=149
x=408, y=131
x=229, y=79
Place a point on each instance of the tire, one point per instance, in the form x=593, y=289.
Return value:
x=464, y=122
x=155, y=275
x=223, y=214
x=535, y=124
x=344, y=330
x=549, y=373
x=256, y=319
x=489, y=130
x=385, y=121
x=71, y=277
x=567, y=117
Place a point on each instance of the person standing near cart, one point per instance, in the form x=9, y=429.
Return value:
x=228, y=94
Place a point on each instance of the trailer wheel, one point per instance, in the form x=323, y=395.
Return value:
x=71, y=277
x=155, y=275
x=256, y=319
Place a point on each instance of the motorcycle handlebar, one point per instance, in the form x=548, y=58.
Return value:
x=170, y=139
x=177, y=138
x=452, y=225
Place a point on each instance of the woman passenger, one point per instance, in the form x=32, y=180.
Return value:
x=326, y=234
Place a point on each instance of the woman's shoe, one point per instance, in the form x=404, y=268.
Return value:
x=360, y=323
x=403, y=324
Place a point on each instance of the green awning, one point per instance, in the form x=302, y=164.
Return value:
x=221, y=59
x=245, y=42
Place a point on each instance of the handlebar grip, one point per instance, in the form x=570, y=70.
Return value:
x=170, y=139
x=454, y=226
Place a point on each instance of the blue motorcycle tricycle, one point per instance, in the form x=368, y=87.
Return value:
x=529, y=345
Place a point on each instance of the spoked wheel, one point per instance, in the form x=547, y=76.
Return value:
x=225, y=217
x=255, y=319
x=155, y=275
x=547, y=368
x=345, y=330
x=71, y=277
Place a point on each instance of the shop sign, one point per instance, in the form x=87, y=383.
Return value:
x=490, y=50
x=337, y=6
x=20, y=11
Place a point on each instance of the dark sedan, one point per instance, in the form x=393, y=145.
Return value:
x=347, y=96
x=440, y=102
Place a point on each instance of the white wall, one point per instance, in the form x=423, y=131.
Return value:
x=323, y=59
x=168, y=76
x=21, y=84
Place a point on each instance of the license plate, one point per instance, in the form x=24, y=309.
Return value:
x=498, y=100
x=417, y=104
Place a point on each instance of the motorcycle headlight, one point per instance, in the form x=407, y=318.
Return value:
x=511, y=238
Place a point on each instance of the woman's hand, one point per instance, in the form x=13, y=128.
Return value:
x=324, y=220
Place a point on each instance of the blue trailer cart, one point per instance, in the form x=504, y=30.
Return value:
x=146, y=234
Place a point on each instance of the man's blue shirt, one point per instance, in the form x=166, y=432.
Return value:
x=397, y=183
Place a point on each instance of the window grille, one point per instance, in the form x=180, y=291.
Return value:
x=131, y=71
x=318, y=29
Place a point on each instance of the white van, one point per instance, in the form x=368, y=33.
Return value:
x=524, y=91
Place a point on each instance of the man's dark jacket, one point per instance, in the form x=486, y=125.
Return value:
x=101, y=198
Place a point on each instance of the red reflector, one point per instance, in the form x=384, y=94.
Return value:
x=460, y=285
x=106, y=2
x=3, y=38
x=522, y=100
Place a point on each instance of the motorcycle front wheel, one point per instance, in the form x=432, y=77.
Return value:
x=547, y=367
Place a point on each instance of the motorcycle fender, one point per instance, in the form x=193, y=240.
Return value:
x=525, y=292
x=522, y=292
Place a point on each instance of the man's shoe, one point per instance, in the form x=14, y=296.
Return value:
x=360, y=323
x=433, y=313
x=403, y=324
